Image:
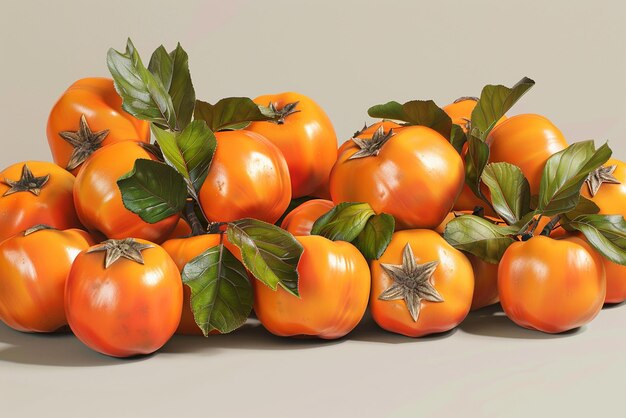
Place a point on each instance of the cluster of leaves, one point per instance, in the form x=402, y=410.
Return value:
x=559, y=194
x=184, y=127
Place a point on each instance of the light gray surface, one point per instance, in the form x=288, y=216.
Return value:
x=347, y=55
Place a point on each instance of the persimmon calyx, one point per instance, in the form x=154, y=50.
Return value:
x=27, y=183
x=37, y=228
x=283, y=112
x=602, y=174
x=412, y=282
x=372, y=146
x=115, y=249
x=464, y=98
x=84, y=141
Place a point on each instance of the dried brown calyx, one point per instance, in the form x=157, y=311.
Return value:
x=115, y=249
x=371, y=146
x=84, y=141
x=27, y=183
x=37, y=228
x=412, y=282
x=601, y=175
x=283, y=112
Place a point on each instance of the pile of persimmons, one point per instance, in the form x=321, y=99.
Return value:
x=166, y=214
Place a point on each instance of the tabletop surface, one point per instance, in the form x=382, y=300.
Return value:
x=347, y=55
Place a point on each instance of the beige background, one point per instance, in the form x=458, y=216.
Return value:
x=347, y=55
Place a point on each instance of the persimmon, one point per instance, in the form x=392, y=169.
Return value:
x=300, y=220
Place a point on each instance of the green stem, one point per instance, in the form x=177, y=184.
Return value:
x=550, y=225
x=192, y=218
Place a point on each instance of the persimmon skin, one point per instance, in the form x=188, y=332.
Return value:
x=416, y=177
x=300, y=220
x=334, y=287
x=54, y=206
x=96, y=98
x=33, y=271
x=527, y=141
x=127, y=309
x=182, y=251
x=306, y=139
x=98, y=199
x=611, y=199
x=453, y=279
x=551, y=285
x=461, y=112
x=248, y=178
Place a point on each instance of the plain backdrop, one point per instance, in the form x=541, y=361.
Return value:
x=347, y=55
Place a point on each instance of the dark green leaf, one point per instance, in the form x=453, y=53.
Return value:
x=415, y=112
x=153, y=190
x=229, y=113
x=143, y=94
x=584, y=207
x=510, y=191
x=221, y=294
x=344, y=222
x=271, y=254
x=494, y=102
x=475, y=161
x=478, y=236
x=606, y=233
x=173, y=71
x=190, y=152
x=564, y=174
x=376, y=236
x=458, y=138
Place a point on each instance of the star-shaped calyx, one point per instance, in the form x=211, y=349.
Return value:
x=283, y=112
x=84, y=141
x=115, y=249
x=27, y=183
x=601, y=175
x=371, y=146
x=412, y=282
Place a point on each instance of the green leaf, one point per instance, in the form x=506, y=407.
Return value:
x=475, y=161
x=478, y=236
x=270, y=253
x=564, y=175
x=458, y=138
x=584, y=207
x=221, y=294
x=173, y=71
x=153, y=190
x=510, y=191
x=415, y=112
x=494, y=102
x=190, y=152
x=606, y=233
x=344, y=222
x=229, y=113
x=143, y=94
x=376, y=236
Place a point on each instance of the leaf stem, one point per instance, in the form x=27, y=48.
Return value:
x=192, y=218
x=533, y=225
x=550, y=225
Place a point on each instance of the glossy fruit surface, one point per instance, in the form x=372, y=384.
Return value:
x=436, y=294
x=35, y=192
x=460, y=111
x=526, y=141
x=551, y=285
x=610, y=197
x=98, y=199
x=300, y=220
x=485, y=282
x=334, y=287
x=248, y=178
x=104, y=122
x=306, y=138
x=416, y=177
x=127, y=308
x=33, y=271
